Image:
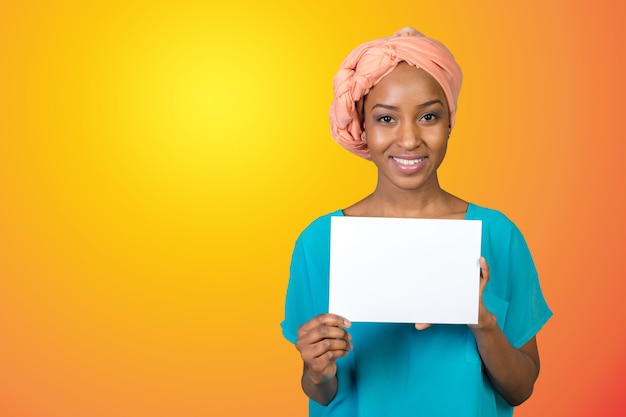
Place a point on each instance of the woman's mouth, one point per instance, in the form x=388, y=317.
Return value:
x=407, y=162
x=408, y=165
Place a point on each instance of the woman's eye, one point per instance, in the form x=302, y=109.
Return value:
x=429, y=117
x=385, y=119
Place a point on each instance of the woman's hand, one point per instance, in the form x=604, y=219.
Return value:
x=321, y=341
x=486, y=319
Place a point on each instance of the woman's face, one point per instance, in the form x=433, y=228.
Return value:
x=406, y=124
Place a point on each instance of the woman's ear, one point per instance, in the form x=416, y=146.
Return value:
x=364, y=137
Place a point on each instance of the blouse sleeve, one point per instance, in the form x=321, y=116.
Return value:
x=528, y=310
x=515, y=296
x=298, y=304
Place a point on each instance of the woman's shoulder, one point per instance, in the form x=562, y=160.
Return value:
x=489, y=216
x=320, y=227
x=476, y=212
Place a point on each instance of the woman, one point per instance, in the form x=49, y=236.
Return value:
x=395, y=104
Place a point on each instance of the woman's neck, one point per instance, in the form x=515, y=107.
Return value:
x=424, y=203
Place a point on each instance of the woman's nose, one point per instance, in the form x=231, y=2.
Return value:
x=410, y=137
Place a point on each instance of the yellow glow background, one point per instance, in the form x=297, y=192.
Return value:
x=158, y=160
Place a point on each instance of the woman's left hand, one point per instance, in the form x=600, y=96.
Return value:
x=486, y=319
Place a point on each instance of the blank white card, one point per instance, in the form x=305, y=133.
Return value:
x=400, y=270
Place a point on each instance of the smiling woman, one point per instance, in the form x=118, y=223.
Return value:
x=406, y=87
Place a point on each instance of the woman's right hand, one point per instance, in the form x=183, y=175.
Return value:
x=321, y=341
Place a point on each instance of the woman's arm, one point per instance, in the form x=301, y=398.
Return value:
x=321, y=392
x=321, y=341
x=512, y=371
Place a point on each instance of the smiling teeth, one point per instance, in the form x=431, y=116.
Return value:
x=408, y=162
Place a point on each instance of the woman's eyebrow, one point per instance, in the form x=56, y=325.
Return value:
x=388, y=107
x=384, y=106
x=430, y=103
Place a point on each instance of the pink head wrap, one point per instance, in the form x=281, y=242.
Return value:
x=370, y=62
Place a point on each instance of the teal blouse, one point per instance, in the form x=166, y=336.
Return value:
x=395, y=370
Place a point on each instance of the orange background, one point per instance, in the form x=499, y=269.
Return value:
x=158, y=160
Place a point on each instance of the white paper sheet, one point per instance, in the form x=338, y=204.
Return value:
x=405, y=270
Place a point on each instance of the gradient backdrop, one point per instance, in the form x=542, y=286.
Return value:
x=158, y=159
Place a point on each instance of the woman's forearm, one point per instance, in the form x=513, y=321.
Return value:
x=321, y=392
x=512, y=371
